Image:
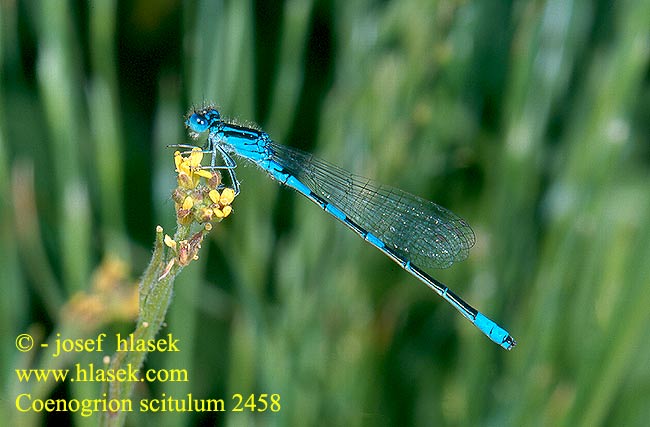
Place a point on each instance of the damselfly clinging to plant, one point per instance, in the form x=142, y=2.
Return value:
x=411, y=231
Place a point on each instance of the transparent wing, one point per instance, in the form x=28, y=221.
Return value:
x=418, y=230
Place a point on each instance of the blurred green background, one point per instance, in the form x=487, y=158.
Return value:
x=529, y=119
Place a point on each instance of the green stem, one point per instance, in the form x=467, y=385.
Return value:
x=155, y=297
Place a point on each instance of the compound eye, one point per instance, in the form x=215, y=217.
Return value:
x=197, y=122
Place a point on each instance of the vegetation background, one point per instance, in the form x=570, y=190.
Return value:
x=528, y=118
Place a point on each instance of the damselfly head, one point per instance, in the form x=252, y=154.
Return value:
x=197, y=123
x=200, y=120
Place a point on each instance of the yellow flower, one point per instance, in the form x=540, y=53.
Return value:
x=196, y=201
x=189, y=168
x=188, y=203
x=221, y=202
x=223, y=212
x=227, y=196
x=214, y=196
